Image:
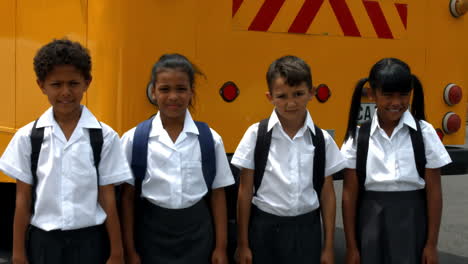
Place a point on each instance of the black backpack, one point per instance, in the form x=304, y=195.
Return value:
x=262, y=149
x=37, y=137
x=363, y=148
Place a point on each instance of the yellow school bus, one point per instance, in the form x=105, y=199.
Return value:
x=233, y=42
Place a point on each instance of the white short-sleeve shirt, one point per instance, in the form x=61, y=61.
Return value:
x=390, y=160
x=66, y=191
x=287, y=187
x=174, y=177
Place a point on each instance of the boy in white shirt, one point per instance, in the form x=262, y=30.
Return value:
x=279, y=221
x=65, y=177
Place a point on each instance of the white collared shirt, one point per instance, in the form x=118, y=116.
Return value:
x=287, y=187
x=390, y=160
x=174, y=177
x=66, y=188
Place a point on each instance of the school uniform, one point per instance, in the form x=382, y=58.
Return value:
x=175, y=225
x=392, y=210
x=285, y=220
x=67, y=224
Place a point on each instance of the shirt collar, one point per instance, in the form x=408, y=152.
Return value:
x=274, y=120
x=87, y=119
x=406, y=119
x=189, y=125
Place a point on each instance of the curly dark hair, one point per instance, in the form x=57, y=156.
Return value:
x=62, y=52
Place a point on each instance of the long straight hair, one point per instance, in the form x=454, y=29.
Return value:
x=388, y=75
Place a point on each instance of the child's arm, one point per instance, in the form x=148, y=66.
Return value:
x=128, y=218
x=349, y=204
x=21, y=221
x=107, y=201
x=244, y=202
x=328, y=204
x=218, y=205
x=434, y=214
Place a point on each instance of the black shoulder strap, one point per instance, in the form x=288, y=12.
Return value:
x=319, y=160
x=361, y=152
x=418, y=149
x=207, y=149
x=262, y=148
x=97, y=140
x=36, y=137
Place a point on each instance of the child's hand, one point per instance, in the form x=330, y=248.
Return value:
x=243, y=255
x=132, y=258
x=327, y=256
x=430, y=255
x=352, y=256
x=219, y=256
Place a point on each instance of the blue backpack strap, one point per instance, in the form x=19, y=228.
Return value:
x=207, y=149
x=262, y=149
x=36, y=137
x=97, y=140
x=140, y=153
x=418, y=149
x=361, y=153
x=319, y=160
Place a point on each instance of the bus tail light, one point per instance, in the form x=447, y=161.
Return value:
x=451, y=123
x=452, y=94
x=458, y=7
x=322, y=93
x=440, y=133
x=229, y=91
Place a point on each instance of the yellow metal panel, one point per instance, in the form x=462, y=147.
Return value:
x=7, y=63
x=446, y=62
x=38, y=22
x=126, y=42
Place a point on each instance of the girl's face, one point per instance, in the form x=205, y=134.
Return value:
x=172, y=92
x=290, y=101
x=390, y=105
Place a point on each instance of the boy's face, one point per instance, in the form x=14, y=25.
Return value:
x=64, y=87
x=290, y=101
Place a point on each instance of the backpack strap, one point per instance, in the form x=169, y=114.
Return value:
x=97, y=140
x=319, y=160
x=140, y=153
x=363, y=148
x=418, y=149
x=207, y=149
x=262, y=148
x=361, y=153
x=36, y=137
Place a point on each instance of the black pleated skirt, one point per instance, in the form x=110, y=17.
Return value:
x=392, y=227
x=277, y=239
x=175, y=236
x=85, y=245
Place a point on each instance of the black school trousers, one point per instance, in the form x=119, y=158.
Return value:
x=174, y=236
x=285, y=240
x=392, y=227
x=85, y=245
